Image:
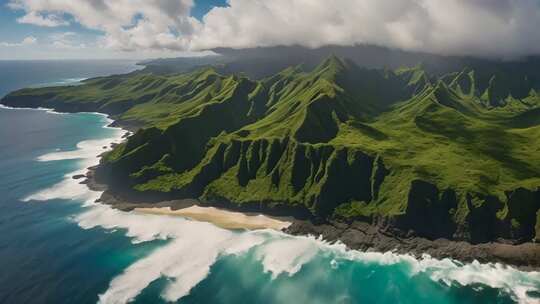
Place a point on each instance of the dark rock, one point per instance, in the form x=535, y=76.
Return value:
x=429, y=211
x=363, y=236
x=427, y=225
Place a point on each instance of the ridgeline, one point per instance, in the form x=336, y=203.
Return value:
x=453, y=156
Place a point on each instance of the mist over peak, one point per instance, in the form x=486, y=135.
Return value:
x=500, y=29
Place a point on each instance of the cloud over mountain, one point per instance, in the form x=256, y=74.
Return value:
x=499, y=28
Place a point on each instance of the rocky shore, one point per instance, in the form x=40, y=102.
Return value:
x=358, y=235
x=364, y=236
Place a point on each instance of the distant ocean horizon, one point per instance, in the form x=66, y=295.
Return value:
x=17, y=74
x=58, y=246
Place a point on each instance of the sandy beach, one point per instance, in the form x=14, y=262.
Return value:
x=221, y=218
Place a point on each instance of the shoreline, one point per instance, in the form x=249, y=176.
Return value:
x=356, y=235
x=363, y=236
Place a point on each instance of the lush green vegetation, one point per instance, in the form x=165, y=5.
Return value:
x=455, y=156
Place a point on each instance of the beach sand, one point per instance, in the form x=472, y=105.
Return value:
x=221, y=218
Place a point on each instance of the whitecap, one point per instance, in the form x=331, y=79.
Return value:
x=286, y=255
x=193, y=247
x=87, y=149
x=2, y=106
x=185, y=260
x=448, y=271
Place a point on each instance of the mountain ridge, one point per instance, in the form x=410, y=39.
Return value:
x=433, y=156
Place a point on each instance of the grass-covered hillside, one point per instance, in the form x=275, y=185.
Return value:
x=456, y=156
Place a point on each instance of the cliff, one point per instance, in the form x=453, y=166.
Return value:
x=453, y=157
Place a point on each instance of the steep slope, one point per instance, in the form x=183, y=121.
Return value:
x=284, y=152
x=465, y=160
x=456, y=156
x=148, y=99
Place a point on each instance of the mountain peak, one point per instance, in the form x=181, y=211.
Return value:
x=291, y=70
x=464, y=82
x=333, y=63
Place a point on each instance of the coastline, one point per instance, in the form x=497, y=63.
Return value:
x=356, y=235
x=366, y=237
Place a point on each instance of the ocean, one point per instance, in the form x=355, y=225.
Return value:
x=58, y=246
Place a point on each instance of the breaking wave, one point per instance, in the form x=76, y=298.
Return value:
x=191, y=247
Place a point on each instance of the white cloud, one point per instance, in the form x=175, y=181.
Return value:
x=470, y=27
x=67, y=40
x=127, y=24
x=463, y=27
x=49, y=20
x=29, y=40
x=67, y=46
x=26, y=41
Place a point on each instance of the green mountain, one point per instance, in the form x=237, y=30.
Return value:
x=454, y=156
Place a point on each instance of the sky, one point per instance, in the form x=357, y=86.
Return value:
x=137, y=29
x=26, y=38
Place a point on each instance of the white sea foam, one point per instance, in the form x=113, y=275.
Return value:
x=66, y=189
x=509, y=279
x=193, y=247
x=72, y=80
x=286, y=255
x=185, y=260
x=87, y=153
x=6, y=107
x=51, y=111
x=88, y=149
x=447, y=271
x=62, y=82
x=55, y=112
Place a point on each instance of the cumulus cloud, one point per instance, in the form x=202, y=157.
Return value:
x=464, y=27
x=498, y=28
x=127, y=24
x=49, y=20
x=67, y=41
x=26, y=41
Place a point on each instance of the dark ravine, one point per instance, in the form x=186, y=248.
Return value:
x=382, y=160
x=361, y=234
x=381, y=235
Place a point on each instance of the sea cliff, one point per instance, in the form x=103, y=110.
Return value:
x=446, y=165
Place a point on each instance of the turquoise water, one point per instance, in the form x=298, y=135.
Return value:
x=57, y=246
